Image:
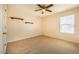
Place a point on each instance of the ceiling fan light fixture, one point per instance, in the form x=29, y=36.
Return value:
x=43, y=10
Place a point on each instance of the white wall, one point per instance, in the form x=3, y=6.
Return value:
x=17, y=30
x=51, y=26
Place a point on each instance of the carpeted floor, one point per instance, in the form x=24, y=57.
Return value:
x=42, y=45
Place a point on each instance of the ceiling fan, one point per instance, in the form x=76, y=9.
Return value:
x=44, y=8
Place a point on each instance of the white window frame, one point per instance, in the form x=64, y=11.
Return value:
x=67, y=24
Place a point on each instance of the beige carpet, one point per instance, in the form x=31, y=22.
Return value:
x=42, y=45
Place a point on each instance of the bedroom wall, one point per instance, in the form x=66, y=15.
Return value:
x=51, y=25
x=17, y=29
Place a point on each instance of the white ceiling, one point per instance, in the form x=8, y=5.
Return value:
x=29, y=8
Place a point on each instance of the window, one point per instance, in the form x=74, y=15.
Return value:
x=67, y=24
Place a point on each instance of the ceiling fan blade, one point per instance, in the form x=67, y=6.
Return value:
x=49, y=5
x=48, y=10
x=41, y=6
x=38, y=9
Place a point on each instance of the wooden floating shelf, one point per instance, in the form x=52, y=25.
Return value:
x=16, y=18
x=29, y=23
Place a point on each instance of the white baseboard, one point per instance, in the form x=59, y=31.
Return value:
x=77, y=42
x=23, y=38
x=43, y=35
